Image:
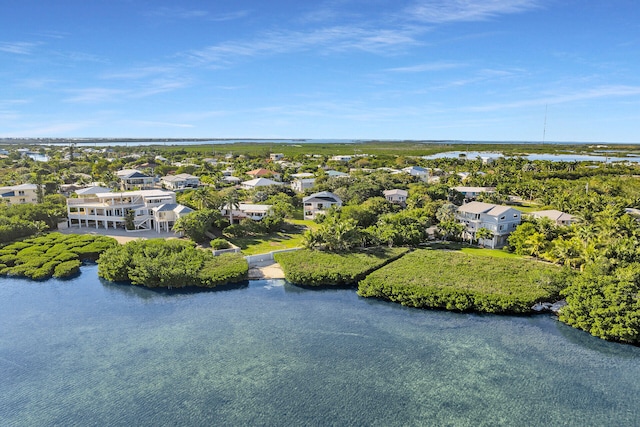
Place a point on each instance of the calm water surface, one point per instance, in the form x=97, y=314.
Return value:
x=88, y=352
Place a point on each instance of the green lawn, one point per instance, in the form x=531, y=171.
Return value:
x=495, y=253
x=254, y=245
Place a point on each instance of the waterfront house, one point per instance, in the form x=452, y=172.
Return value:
x=319, y=203
x=132, y=179
x=558, y=217
x=396, y=196
x=151, y=210
x=500, y=220
x=180, y=181
x=19, y=194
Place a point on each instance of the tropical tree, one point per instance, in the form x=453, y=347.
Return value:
x=483, y=234
x=230, y=201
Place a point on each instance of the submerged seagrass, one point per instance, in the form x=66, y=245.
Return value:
x=454, y=280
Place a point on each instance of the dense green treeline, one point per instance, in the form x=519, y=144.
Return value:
x=170, y=264
x=457, y=281
x=54, y=254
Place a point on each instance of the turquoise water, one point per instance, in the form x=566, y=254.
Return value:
x=88, y=352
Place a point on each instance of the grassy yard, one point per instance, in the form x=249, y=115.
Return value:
x=254, y=245
x=494, y=253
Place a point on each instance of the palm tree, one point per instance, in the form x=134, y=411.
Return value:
x=231, y=200
x=483, y=234
x=202, y=198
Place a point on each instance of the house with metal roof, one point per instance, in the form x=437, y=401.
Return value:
x=558, y=217
x=318, y=203
x=499, y=219
x=396, y=196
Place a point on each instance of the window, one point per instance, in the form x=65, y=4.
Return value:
x=503, y=217
x=20, y=193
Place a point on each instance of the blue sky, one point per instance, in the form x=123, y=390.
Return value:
x=385, y=69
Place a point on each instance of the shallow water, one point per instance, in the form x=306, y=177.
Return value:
x=89, y=352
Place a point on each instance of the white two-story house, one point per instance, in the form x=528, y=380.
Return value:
x=152, y=210
x=500, y=220
x=319, y=203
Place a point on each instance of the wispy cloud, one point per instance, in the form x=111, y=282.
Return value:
x=18, y=48
x=182, y=13
x=95, y=95
x=442, y=11
x=332, y=39
x=433, y=66
x=593, y=93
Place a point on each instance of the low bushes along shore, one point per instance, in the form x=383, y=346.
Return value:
x=170, y=264
x=309, y=267
x=457, y=281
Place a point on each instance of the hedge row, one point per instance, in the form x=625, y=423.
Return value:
x=463, y=282
x=54, y=254
x=309, y=267
x=170, y=264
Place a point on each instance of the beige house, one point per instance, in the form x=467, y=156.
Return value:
x=319, y=203
x=19, y=194
x=152, y=210
x=396, y=196
x=558, y=217
x=500, y=220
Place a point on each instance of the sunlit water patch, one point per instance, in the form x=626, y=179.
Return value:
x=89, y=352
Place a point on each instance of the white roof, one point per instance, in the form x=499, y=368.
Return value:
x=463, y=189
x=260, y=182
x=395, y=192
x=485, y=208
x=554, y=215
x=250, y=207
x=92, y=190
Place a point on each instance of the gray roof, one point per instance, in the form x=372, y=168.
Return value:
x=324, y=196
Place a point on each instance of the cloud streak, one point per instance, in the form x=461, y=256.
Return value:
x=594, y=93
x=444, y=11
x=18, y=48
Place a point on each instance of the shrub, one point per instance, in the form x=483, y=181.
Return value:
x=317, y=268
x=462, y=282
x=170, y=263
x=67, y=268
x=38, y=258
x=220, y=244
